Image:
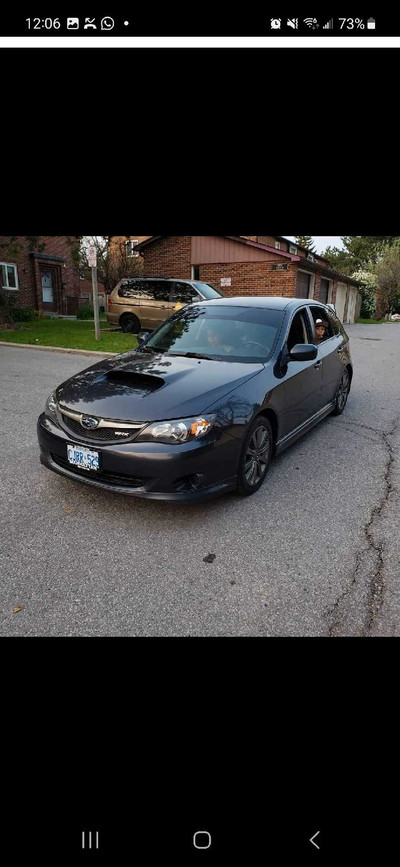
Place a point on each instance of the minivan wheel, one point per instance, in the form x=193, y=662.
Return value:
x=255, y=458
x=130, y=323
x=342, y=393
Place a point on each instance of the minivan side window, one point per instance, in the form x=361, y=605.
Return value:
x=159, y=291
x=129, y=290
x=184, y=293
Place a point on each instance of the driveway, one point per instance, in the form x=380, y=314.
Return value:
x=314, y=553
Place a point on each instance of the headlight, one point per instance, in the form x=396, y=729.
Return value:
x=51, y=405
x=177, y=431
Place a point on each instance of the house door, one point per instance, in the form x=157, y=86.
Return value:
x=48, y=289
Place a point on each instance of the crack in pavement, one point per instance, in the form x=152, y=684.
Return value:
x=376, y=590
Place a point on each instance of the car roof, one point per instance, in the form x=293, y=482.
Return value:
x=166, y=279
x=269, y=302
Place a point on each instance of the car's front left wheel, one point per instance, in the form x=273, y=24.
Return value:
x=255, y=457
x=342, y=393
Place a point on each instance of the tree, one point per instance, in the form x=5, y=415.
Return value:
x=359, y=254
x=387, y=272
x=369, y=291
x=113, y=260
x=307, y=242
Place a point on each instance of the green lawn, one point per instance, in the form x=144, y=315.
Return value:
x=369, y=321
x=70, y=334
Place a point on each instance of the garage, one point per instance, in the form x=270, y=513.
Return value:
x=351, y=306
x=340, y=300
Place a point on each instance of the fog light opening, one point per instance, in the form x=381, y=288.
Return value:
x=189, y=483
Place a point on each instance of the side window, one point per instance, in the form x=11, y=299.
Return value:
x=334, y=323
x=130, y=289
x=299, y=331
x=184, y=293
x=321, y=313
x=159, y=291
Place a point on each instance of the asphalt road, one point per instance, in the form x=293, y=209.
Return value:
x=314, y=553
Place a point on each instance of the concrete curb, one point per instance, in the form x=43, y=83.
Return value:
x=60, y=349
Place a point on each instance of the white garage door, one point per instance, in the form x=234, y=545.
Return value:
x=351, y=307
x=340, y=300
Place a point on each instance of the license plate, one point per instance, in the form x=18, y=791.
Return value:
x=86, y=459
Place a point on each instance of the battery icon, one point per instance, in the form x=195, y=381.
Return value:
x=371, y=24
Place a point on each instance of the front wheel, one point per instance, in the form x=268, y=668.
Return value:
x=342, y=393
x=255, y=458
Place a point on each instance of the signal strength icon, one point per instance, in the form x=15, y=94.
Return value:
x=328, y=25
x=311, y=22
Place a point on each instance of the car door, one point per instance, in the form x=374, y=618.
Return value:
x=329, y=353
x=298, y=396
x=154, y=305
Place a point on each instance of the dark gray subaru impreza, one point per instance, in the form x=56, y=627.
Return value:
x=204, y=403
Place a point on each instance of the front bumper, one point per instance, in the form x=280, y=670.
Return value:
x=185, y=473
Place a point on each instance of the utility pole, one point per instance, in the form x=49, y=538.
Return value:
x=93, y=264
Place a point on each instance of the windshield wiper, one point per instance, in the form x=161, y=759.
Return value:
x=193, y=355
x=149, y=349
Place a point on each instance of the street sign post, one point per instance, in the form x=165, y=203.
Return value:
x=92, y=259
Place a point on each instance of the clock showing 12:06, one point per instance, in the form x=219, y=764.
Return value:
x=43, y=23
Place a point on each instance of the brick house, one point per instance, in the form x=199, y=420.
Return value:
x=40, y=272
x=252, y=265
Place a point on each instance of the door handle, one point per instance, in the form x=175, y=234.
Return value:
x=318, y=364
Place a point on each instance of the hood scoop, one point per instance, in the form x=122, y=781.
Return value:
x=133, y=379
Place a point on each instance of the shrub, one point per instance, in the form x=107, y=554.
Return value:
x=85, y=312
x=22, y=314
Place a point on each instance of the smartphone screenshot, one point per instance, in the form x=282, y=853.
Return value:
x=200, y=435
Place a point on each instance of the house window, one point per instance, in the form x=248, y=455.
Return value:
x=130, y=248
x=9, y=276
x=277, y=245
x=293, y=249
x=195, y=272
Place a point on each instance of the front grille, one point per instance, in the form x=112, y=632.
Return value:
x=102, y=434
x=107, y=478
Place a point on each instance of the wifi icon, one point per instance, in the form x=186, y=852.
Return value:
x=311, y=22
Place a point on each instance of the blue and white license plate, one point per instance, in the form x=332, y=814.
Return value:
x=86, y=459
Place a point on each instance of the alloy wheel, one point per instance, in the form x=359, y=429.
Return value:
x=257, y=456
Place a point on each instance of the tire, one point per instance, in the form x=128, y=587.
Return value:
x=342, y=393
x=252, y=471
x=130, y=323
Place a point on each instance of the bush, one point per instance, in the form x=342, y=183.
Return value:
x=85, y=312
x=22, y=314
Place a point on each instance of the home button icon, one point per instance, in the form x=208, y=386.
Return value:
x=202, y=840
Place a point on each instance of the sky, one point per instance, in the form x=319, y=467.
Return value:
x=322, y=242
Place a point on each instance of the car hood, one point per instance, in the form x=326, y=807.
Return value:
x=141, y=387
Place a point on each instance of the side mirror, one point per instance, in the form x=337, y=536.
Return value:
x=143, y=337
x=303, y=352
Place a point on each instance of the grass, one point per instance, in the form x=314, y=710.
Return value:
x=369, y=321
x=70, y=334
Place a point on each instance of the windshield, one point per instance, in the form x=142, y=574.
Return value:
x=209, y=292
x=244, y=334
